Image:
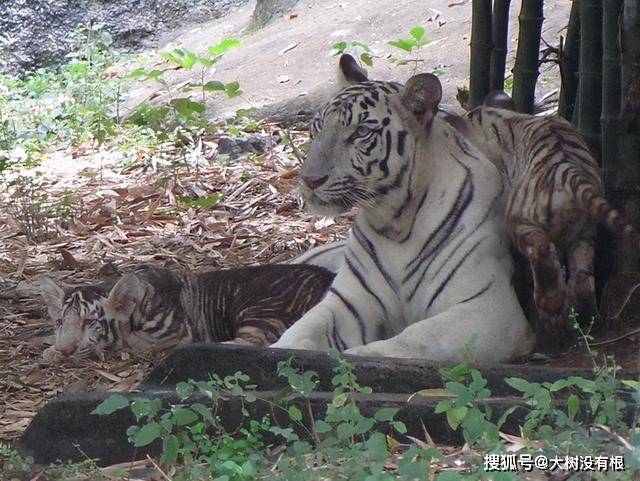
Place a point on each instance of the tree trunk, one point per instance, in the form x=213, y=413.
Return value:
x=525, y=72
x=481, y=48
x=569, y=58
x=500, y=37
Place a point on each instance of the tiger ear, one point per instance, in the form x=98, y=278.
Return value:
x=53, y=296
x=125, y=295
x=500, y=100
x=421, y=96
x=350, y=71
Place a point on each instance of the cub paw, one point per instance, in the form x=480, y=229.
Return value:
x=51, y=355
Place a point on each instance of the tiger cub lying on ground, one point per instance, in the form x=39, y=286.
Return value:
x=556, y=199
x=155, y=308
x=426, y=270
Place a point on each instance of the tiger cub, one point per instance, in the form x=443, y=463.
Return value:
x=155, y=308
x=556, y=199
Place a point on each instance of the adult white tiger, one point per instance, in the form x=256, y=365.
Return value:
x=427, y=267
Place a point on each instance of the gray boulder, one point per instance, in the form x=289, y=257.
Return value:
x=36, y=33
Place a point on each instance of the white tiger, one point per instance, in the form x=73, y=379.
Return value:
x=427, y=270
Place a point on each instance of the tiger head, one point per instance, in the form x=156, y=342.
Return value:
x=363, y=138
x=81, y=327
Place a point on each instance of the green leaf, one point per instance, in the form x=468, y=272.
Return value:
x=366, y=59
x=184, y=390
x=339, y=47
x=519, y=384
x=403, y=44
x=363, y=46
x=214, y=85
x=455, y=416
x=247, y=469
x=224, y=46
x=170, y=446
x=295, y=414
x=181, y=57
x=203, y=203
x=573, y=405
x=147, y=434
x=322, y=427
x=340, y=399
x=184, y=416
x=110, y=405
x=386, y=414
x=399, y=426
x=232, y=89
x=417, y=33
x=345, y=430
x=187, y=107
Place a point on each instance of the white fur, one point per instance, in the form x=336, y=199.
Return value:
x=411, y=328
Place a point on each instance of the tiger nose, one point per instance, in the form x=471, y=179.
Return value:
x=314, y=182
x=68, y=351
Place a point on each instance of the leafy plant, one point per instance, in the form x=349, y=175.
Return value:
x=411, y=45
x=359, y=49
x=182, y=110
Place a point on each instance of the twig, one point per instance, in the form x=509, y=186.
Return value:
x=615, y=339
x=295, y=149
x=158, y=468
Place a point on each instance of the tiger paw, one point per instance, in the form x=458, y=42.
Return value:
x=551, y=306
x=374, y=349
x=304, y=344
x=51, y=355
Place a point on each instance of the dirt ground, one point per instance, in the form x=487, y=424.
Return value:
x=287, y=66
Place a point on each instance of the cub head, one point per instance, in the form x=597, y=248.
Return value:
x=81, y=327
x=364, y=138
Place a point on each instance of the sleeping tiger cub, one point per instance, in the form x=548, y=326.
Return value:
x=556, y=200
x=426, y=270
x=156, y=308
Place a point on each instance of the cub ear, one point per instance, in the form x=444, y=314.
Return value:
x=53, y=296
x=499, y=100
x=125, y=295
x=351, y=72
x=421, y=96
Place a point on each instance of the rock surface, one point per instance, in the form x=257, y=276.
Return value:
x=36, y=33
x=267, y=9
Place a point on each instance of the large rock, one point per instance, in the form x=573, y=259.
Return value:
x=35, y=33
x=268, y=9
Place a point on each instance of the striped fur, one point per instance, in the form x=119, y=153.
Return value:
x=556, y=199
x=427, y=270
x=154, y=308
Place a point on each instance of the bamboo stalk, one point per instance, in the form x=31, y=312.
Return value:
x=628, y=175
x=569, y=58
x=500, y=36
x=611, y=88
x=590, y=89
x=525, y=72
x=481, y=47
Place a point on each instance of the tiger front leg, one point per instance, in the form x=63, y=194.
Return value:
x=338, y=321
x=484, y=331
